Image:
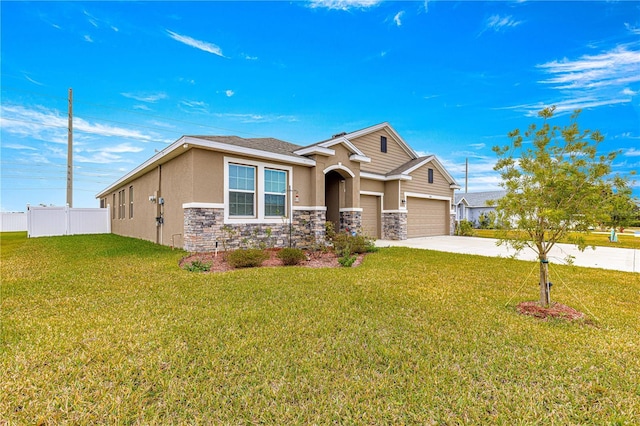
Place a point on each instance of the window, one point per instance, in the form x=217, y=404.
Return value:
x=131, y=202
x=113, y=207
x=255, y=191
x=383, y=144
x=430, y=175
x=242, y=187
x=121, y=204
x=275, y=188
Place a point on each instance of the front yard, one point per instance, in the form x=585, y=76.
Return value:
x=106, y=329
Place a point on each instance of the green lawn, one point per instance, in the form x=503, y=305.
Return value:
x=627, y=240
x=105, y=329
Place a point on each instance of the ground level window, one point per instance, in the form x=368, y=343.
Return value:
x=275, y=189
x=242, y=187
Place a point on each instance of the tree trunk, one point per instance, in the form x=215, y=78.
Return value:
x=545, y=297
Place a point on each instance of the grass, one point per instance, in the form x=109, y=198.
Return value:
x=106, y=329
x=593, y=238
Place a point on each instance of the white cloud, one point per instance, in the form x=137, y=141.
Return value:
x=19, y=147
x=250, y=58
x=88, y=38
x=146, y=97
x=51, y=126
x=631, y=28
x=499, y=23
x=33, y=81
x=195, y=106
x=398, y=18
x=257, y=118
x=631, y=152
x=229, y=93
x=590, y=81
x=616, y=67
x=343, y=4
x=198, y=44
x=118, y=149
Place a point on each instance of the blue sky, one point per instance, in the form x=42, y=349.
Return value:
x=453, y=78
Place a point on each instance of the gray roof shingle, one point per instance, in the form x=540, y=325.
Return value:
x=264, y=144
x=479, y=199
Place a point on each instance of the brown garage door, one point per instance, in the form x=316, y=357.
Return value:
x=426, y=217
x=370, y=205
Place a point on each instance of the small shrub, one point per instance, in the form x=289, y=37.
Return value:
x=355, y=243
x=464, y=228
x=347, y=260
x=197, y=266
x=246, y=258
x=291, y=256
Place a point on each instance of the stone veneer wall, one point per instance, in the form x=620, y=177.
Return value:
x=351, y=220
x=452, y=224
x=204, y=226
x=394, y=225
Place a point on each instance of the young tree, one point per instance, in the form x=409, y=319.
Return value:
x=556, y=181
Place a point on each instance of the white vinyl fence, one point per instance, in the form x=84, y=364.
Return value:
x=12, y=222
x=51, y=221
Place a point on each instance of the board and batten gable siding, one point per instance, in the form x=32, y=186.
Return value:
x=381, y=162
x=419, y=182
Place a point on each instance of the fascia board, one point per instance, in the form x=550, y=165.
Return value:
x=316, y=149
x=344, y=141
x=375, y=176
x=360, y=158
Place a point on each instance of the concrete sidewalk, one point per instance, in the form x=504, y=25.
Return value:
x=618, y=259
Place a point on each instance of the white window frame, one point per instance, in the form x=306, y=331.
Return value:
x=259, y=193
x=253, y=192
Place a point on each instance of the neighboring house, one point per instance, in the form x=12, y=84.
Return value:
x=205, y=190
x=469, y=206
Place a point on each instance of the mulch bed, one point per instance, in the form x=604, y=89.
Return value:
x=554, y=310
x=315, y=259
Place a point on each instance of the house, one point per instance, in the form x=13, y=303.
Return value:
x=470, y=206
x=202, y=192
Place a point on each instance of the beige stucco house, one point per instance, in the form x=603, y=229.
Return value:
x=206, y=192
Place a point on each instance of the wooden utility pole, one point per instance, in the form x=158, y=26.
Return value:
x=70, y=152
x=466, y=174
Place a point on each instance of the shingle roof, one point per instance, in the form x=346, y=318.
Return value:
x=264, y=144
x=479, y=199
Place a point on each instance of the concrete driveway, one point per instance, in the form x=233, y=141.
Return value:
x=618, y=259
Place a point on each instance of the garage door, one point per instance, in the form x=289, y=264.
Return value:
x=427, y=217
x=370, y=205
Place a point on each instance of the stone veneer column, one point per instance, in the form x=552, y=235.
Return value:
x=202, y=227
x=351, y=219
x=309, y=228
x=394, y=225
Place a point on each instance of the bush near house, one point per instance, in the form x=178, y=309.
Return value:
x=246, y=258
x=108, y=329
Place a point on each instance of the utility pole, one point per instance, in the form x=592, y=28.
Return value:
x=70, y=152
x=466, y=174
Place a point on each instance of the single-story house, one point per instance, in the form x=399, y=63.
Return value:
x=470, y=206
x=205, y=190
